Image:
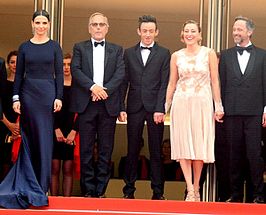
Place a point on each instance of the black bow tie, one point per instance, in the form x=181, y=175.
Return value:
x=143, y=47
x=240, y=49
x=98, y=43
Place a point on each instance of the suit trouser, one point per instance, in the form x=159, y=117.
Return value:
x=243, y=134
x=94, y=123
x=135, y=125
x=222, y=157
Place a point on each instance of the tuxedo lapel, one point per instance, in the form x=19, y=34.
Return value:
x=235, y=64
x=153, y=52
x=89, y=49
x=138, y=54
x=250, y=64
x=108, y=50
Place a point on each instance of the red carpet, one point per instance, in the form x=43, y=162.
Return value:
x=108, y=206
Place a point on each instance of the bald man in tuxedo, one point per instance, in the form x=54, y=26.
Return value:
x=98, y=70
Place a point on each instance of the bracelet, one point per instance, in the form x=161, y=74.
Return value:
x=167, y=107
x=218, y=107
x=15, y=98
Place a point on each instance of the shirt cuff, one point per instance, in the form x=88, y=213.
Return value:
x=15, y=98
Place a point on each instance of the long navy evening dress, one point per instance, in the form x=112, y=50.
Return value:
x=38, y=82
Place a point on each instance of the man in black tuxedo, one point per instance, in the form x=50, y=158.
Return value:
x=147, y=73
x=243, y=83
x=3, y=77
x=97, y=72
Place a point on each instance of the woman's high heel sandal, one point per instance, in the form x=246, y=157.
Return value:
x=197, y=195
x=190, y=196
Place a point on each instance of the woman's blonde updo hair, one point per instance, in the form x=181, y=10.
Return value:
x=190, y=22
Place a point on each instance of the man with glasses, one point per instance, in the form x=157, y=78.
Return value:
x=97, y=71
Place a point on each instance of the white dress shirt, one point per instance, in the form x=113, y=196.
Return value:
x=98, y=63
x=243, y=59
x=145, y=52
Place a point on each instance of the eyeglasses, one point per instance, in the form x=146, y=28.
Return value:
x=95, y=24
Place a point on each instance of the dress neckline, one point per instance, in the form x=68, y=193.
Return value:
x=194, y=55
x=40, y=43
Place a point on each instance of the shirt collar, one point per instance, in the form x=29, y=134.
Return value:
x=141, y=44
x=93, y=40
x=249, y=44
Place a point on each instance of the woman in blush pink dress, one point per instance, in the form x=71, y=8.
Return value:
x=192, y=88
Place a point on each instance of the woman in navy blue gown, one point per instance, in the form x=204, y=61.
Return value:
x=38, y=91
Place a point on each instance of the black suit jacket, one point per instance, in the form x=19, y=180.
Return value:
x=3, y=77
x=147, y=84
x=243, y=94
x=82, y=76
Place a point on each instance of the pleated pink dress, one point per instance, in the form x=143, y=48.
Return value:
x=191, y=116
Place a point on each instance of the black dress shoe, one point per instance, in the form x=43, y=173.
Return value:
x=157, y=197
x=101, y=196
x=258, y=200
x=233, y=199
x=129, y=196
x=88, y=195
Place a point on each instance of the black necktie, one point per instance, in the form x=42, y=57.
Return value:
x=241, y=49
x=143, y=47
x=98, y=43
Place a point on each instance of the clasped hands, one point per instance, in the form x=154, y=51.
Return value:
x=98, y=93
x=68, y=140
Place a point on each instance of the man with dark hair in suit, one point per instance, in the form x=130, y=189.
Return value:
x=98, y=70
x=147, y=74
x=3, y=77
x=243, y=83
